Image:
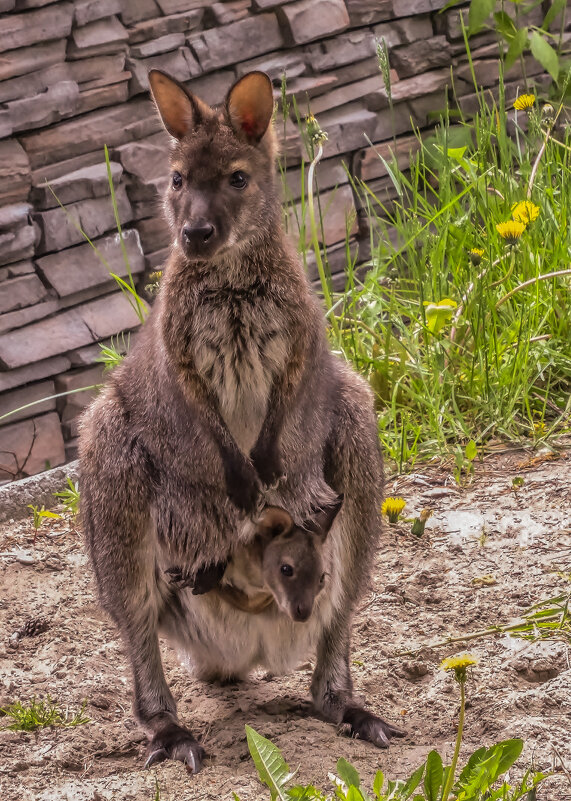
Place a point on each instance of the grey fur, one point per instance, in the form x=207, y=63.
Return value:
x=231, y=384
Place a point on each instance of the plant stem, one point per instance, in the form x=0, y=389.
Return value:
x=315, y=240
x=452, y=771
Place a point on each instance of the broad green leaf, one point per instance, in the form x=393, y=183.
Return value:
x=354, y=794
x=433, y=776
x=456, y=153
x=473, y=761
x=378, y=783
x=271, y=766
x=510, y=751
x=471, y=450
x=545, y=54
x=557, y=7
x=479, y=12
x=412, y=783
x=347, y=773
x=505, y=25
x=516, y=48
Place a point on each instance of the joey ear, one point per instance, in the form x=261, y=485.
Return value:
x=320, y=523
x=274, y=521
x=250, y=105
x=179, y=110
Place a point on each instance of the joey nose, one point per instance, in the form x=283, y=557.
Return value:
x=198, y=233
x=302, y=612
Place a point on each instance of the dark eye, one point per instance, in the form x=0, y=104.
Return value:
x=322, y=579
x=176, y=180
x=286, y=570
x=239, y=180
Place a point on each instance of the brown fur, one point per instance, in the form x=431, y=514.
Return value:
x=230, y=389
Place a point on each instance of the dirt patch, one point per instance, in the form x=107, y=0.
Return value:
x=488, y=554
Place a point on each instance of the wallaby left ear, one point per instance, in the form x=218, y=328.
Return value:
x=250, y=105
x=321, y=522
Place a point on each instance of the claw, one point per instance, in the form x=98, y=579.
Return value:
x=372, y=728
x=175, y=742
x=157, y=756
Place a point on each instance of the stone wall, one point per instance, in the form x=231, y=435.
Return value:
x=73, y=78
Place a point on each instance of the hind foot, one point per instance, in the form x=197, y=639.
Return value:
x=175, y=742
x=367, y=726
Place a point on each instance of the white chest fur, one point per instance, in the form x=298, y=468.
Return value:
x=239, y=346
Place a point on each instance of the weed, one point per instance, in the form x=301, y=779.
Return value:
x=70, y=497
x=479, y=779
x=38, y=714
x=38, y=517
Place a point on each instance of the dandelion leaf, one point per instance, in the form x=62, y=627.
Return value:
x=271, y=766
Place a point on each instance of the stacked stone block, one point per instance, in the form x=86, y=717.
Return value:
x=73, y=79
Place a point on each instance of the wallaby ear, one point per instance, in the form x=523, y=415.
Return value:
x=250, y=105
x=321, y=522
x=274, y=521
x=180, y=111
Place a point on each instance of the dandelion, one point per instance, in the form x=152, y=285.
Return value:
x=419, y=522
x=458, y=663
x=476, y=256
x=548, y=114
x=314, y=131
x=525, y=212
x=524, y=102
x=392, y=508
x=510, y=230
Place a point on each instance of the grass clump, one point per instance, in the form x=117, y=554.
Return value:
x=463, y=319
x=38, y=714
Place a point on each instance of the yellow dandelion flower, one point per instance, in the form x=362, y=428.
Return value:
x=510, y=230
x=476, y=256
x=524, y=102
x=459, y=664
x=392, y=508
x=525, y=212
x=455, y=662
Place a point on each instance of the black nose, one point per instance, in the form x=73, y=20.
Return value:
x=198, y=233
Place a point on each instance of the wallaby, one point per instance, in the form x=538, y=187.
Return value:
x=285, y=564
x=231, y=388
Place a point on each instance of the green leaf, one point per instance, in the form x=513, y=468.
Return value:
x=378, y=783
x=271, y=766
x=510, y=751
x=479, y=12
x=347, y=773
x=472, y=763
x=412, y=783
x=545, y=54
x=433, y=776
x=516, y=48
x=505, y=25
x=557, y=7
x=471, y=450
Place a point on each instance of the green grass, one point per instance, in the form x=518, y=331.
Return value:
x=38, y=714
x=493, y=362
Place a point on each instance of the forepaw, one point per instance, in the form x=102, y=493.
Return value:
x=268, y=466
x=175, y=742
x=366, y=726
x=243, y=489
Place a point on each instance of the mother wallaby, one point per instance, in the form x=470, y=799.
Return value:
x=231, y=389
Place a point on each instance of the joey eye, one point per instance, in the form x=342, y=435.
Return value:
x=286, y=570
x=322, y=579
x=176, y=180
x=239, y=180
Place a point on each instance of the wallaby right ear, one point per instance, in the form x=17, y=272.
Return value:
x=180, y=111
x=274, y=521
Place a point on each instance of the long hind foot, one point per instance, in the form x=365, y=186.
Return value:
x=367, y=726
x=175, y=742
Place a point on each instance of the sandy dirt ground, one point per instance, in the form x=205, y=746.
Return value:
x=488, y=554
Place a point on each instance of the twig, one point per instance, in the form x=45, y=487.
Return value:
x=532, y=281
